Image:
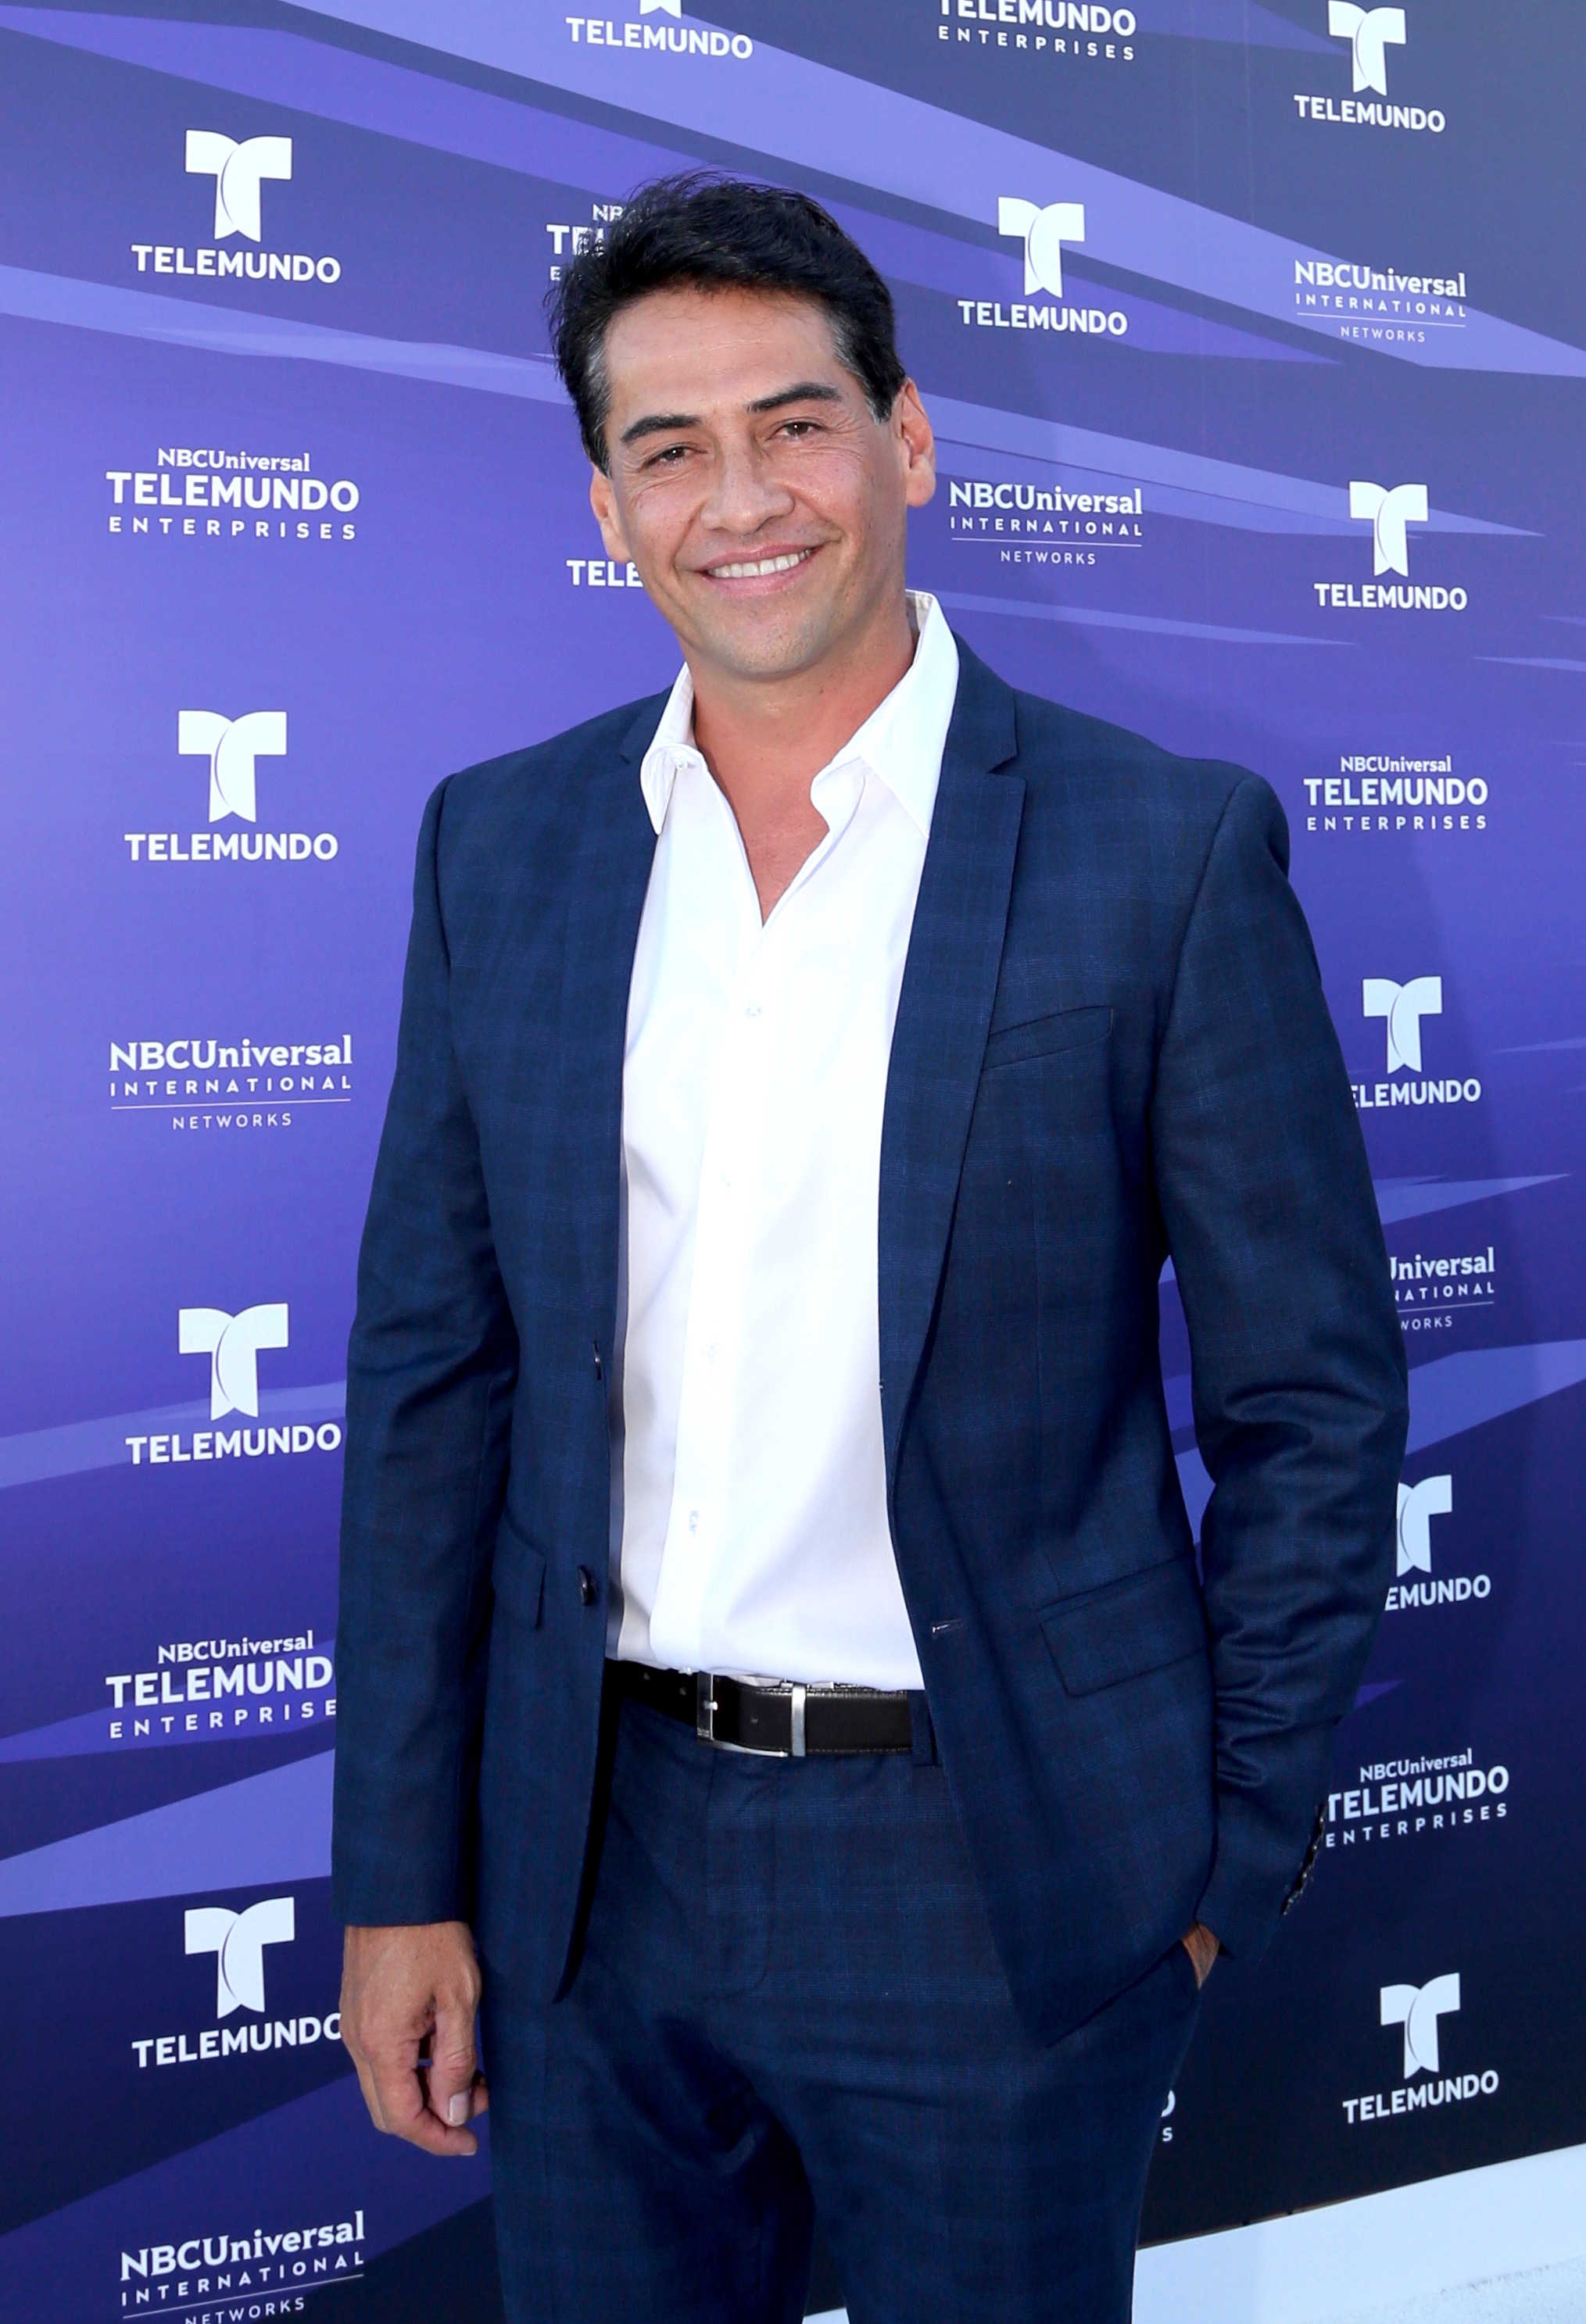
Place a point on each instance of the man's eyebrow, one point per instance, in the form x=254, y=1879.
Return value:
x=659, y=423
x=808, y=390
x=663, y=423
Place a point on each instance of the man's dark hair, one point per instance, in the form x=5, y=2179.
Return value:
x=717, y=233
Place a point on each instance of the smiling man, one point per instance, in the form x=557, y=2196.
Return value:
x=770, y=1618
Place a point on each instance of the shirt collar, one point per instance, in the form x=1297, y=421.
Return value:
x=901, y=741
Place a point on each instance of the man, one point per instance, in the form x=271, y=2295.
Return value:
x=770, y=1618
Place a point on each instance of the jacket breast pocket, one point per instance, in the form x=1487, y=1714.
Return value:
x=1128, y=1629
x=1046, y=1036
x=517, y=1575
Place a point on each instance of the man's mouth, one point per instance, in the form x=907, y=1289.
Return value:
x=758, y=568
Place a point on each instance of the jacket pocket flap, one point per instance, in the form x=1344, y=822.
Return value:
x=1128, y=1629
x=1043, y=1036
x=518, y=1574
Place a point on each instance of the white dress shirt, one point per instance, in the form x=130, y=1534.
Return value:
x=749, y=1530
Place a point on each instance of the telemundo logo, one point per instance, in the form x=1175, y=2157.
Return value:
x=1389, y=510
x=1066, y=31
x=676, y=40
x=1376, y=779
x=232, y=748
x=238, y=1941
x=1043, y=233
x=1370, y=33
x=1416, y=1584
x=240, y=168
x=212, y=1688
x=1043, y=230
x=265, y=496
x=233, y=1344
x=1401, y=1007
x=1434, y=1796
x=1433, y=1497
x=1418, y=2011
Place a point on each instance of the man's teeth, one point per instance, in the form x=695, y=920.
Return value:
x=765, y=564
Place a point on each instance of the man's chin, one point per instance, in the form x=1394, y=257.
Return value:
x=769, y=648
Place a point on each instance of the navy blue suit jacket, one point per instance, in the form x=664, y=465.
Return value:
x=1112, y=1047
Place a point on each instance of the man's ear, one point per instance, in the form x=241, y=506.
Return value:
x=603, y=500
x=916, y=444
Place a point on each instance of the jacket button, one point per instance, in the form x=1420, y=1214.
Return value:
x=589, y=1588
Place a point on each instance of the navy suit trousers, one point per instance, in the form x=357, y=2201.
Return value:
x=787, y=2001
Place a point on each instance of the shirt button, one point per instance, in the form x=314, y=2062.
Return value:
x=693, y=1520
x=753, y=1010
x=588, y=1588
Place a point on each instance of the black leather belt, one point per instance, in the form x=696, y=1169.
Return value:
x=780, y=1720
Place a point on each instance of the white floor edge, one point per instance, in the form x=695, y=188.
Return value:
x=1350, y=2259
x=1347, y=2259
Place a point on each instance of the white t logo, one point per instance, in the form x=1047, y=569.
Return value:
x=231, y=746
x=1367, y=31
x=236, y=170
x=1043, y=233
x=1388, y=512
x=1417, y=2009
x=232, y=1344
x=1433, y=1497
x=237, y=1939
x=1404, y=1006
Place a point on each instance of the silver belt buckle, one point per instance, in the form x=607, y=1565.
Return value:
x=705, y=1721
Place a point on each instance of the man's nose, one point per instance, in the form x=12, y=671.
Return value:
x=745, y=492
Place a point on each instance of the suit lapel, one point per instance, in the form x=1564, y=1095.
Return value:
x=610, y=875
x=944, y=1010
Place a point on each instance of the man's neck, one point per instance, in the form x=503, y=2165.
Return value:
x=766, y=743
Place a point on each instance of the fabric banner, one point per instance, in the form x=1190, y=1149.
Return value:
x=1256, y=371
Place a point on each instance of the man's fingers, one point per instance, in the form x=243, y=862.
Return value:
x=464, y=2105
x=406, y=1989
x=402, y=2111
x=452, y=2062
x=371, y=2096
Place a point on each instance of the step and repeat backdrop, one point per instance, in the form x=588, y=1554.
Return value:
x=1255, y=336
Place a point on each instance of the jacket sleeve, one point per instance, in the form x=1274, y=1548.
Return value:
x=1297, y=1359
x=431, y=1372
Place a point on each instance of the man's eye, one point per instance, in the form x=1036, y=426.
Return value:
x=799, y=428
x=669, y=456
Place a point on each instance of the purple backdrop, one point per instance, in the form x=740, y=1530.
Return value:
x=1260, y=430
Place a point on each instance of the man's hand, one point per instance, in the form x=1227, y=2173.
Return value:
x=400, y=1988
x=1202, y=1947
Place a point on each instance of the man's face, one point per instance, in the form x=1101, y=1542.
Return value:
x=761, y=499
